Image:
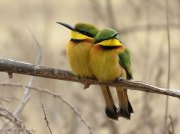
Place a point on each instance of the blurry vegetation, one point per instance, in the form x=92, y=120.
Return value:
x=142, y=27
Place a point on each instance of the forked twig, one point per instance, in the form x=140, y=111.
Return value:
x=54, y=95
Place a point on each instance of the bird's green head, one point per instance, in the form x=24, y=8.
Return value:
x=108, y=37
x=81, y=31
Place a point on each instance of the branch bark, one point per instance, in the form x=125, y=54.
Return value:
x=12, y=66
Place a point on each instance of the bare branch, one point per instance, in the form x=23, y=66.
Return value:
x=7, y=65
x=47, y=121
x=42, y=71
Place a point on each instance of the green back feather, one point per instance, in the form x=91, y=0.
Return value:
x=124, y=61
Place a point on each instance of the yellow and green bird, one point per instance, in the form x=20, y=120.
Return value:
x=82, y=39
x=78, y=48
x=110, y=60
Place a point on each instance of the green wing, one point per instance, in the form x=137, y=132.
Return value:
x=125, y=62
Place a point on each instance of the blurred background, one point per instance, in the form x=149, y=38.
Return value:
x=142, y=27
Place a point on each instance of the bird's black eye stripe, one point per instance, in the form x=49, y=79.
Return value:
x=77, y=40
x=97, y=41
x=85, y=33
x=109, y=47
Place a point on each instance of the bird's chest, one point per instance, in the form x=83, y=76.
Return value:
x=106, y=65
x=78, y=55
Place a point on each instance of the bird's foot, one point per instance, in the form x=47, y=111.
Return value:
x=119, y=79
x=111, y=113
x=124, y=113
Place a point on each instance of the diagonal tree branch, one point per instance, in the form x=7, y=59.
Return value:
x=12, y=66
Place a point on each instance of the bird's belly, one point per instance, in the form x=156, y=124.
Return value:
x=78, y=56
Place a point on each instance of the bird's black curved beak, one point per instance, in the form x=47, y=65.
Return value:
x=67, y=26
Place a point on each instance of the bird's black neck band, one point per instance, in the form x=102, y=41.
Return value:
x=76, y=40
x=110, y=47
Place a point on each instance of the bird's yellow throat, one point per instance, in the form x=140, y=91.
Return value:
x=110, y=42
x=79, y=36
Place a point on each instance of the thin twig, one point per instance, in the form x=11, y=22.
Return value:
x=169, y=67
x=54, y=95
x=8, y=115
x=170, y=127
x=39, y=48
x=6, y=99
x=47, y=121
x=26, y=95
x=7, y=65
x=38, y=61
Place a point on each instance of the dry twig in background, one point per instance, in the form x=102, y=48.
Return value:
x=19, y=126
x=26, y=96
x=54, y=95
x=47, y=121
x=169, y=67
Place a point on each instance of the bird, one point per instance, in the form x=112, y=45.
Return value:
x=111, y=60
x=77, y=49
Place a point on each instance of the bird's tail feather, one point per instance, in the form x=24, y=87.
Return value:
x=111, y=110
x=125, y=106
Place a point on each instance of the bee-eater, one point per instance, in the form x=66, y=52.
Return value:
x=110, y=60
x=82, y=39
